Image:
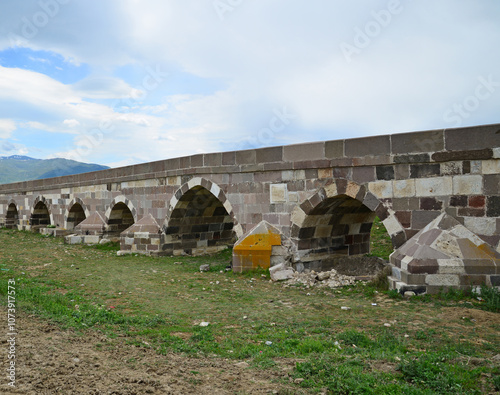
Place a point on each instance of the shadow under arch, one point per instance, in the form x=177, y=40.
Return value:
x=200, y=220
x=337, y=220
x=41, y=215
x=120, y=215
x=76, y=212
x=12, y=215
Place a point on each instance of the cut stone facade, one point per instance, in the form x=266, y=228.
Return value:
x=322, y=196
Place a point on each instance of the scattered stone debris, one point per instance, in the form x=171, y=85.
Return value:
x=204, y=323
x=281, y=272
x=330, y=279
x=204, y=268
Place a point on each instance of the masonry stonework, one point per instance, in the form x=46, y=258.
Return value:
x=322, y=196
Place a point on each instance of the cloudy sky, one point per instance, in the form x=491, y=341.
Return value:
x=119, y=82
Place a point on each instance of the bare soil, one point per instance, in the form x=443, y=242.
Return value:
x=54, y=361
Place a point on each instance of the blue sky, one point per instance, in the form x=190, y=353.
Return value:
x=124, y=82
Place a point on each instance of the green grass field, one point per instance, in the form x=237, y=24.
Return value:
x=382, y=344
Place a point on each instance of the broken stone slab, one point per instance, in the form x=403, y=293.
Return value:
x=204, y=268
x=282, y=275
x=323, y=276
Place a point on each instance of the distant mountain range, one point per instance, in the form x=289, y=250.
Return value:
x=23, y=168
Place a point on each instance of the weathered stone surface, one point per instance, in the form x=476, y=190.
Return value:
x=468, y=185
x=366, y=146
x=334, y=149
x=472, y=138
x=301, y=152
x=486, y=153
x=385, y=172
x=437, y=186
x=445, y=252
x=425, y=170
x=423, y=142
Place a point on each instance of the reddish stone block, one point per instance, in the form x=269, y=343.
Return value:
x=404, y=218
x=477, y=201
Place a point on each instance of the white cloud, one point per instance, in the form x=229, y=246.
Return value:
x=261, y=56
x=7, y=126
x=71, y=123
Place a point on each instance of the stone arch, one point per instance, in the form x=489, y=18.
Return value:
x=337, y=220
x=200, y=219
x=12, y=215
x=76, y=212
x=120, y=215
x=41, y=213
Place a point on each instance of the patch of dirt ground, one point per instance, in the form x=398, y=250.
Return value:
x=54, y=361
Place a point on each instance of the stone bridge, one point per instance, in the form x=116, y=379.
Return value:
x=320, y=199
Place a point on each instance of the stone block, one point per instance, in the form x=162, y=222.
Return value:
x=425, y=170
x=428, y=141
x=478, y=202
x=459, y=201
x=404, y=218
x=402, y=172
x=481, y=226
x=430, y=203
x=368, y=146
x=438, y=186
x=493, y=204
x=91, y=239
x=416, y=158
x=363, y=174
x=423, y=266
x=492, y=184
x=334, y=149
x=452, y=168
x=445, y=156
x=451, y=266
x=445, y=280
x=404, y=188
x=325, y=173
x=385, y=172
x=467, y=185
x=472, y=138
x=246, y=157
x=381, y=189
x=392, y=225
x=303, y=152
x=471, y=212
x=272, y=154
x=278, y=193
x=422, y=218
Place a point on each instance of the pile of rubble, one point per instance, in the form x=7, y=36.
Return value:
x=331, y=278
